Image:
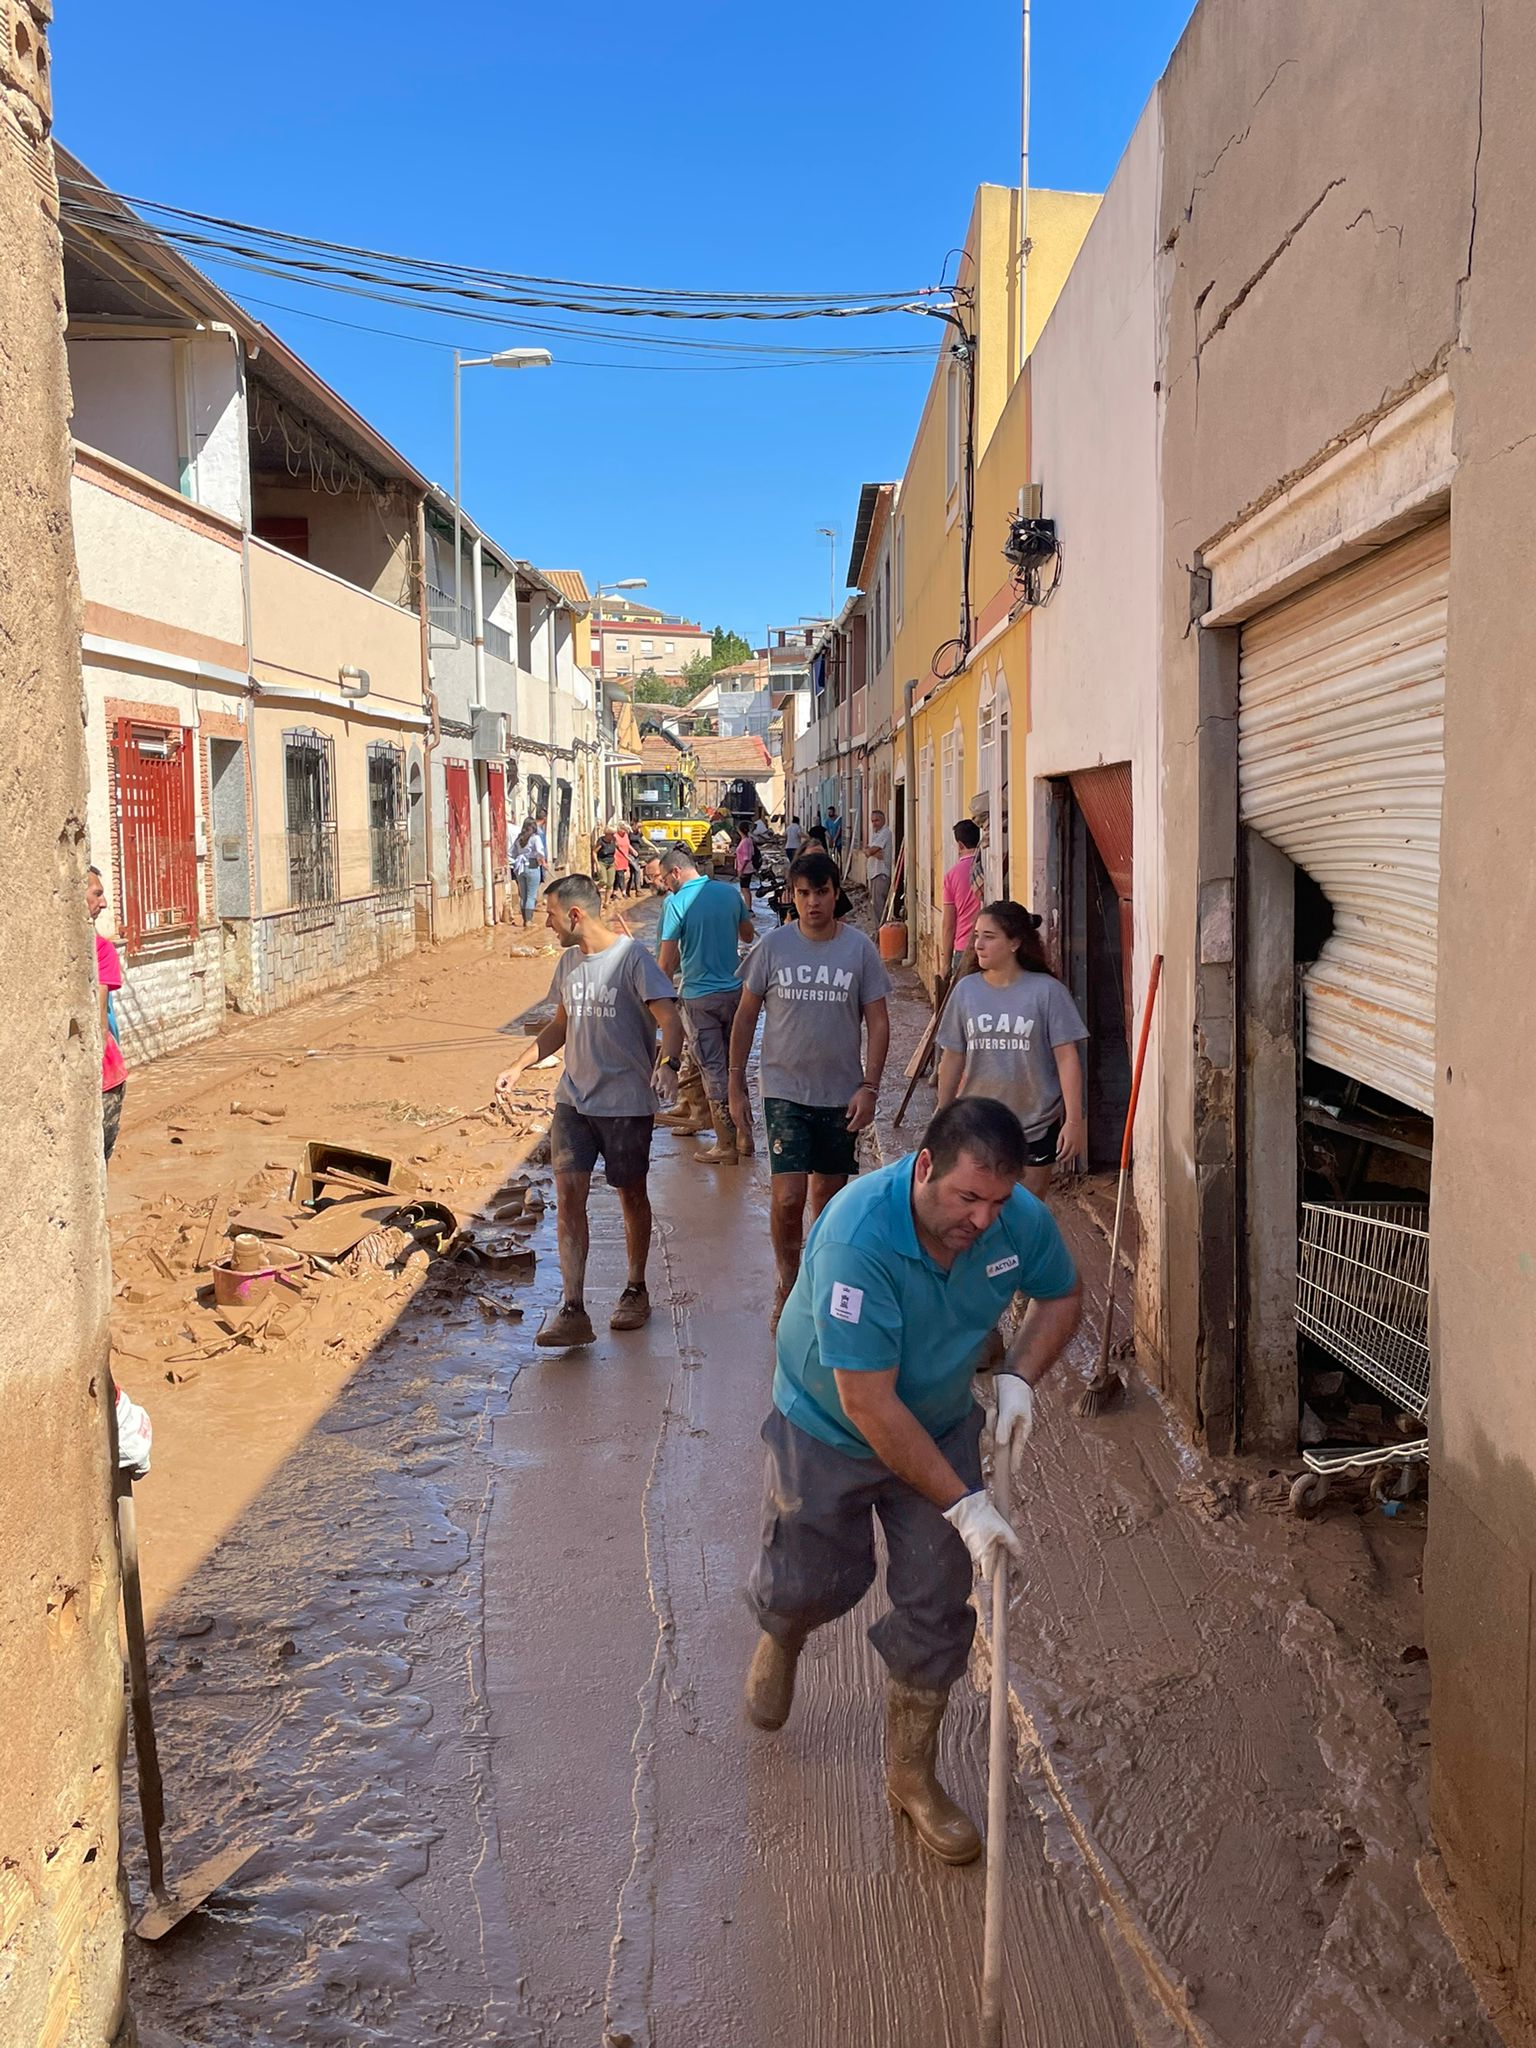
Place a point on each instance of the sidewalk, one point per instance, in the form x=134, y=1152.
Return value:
x=1226, y=1706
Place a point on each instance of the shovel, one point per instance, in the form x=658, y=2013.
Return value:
x=999, y=1774
x=168, y=1906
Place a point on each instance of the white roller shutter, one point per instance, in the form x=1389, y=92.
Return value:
x=1341, y=764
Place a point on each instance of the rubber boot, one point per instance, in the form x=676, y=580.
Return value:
x=912, y=1718
x=723, y=1152
x=769, y=1692
x=690, y=1114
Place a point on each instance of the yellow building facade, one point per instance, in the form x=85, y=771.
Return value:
x=962, y=637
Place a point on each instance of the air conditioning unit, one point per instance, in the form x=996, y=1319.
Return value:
x=492, y=734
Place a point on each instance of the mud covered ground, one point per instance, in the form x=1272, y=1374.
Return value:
x=450, y=1630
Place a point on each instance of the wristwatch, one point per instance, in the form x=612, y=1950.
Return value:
x=667, y=1060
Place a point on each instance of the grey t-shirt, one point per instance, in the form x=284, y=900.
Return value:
x=814, y=997
x=880, y=851
x=610, y=1039
x=1009, y=1036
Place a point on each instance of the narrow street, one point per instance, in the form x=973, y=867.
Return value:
x=472, y=1680
x=464, y=1669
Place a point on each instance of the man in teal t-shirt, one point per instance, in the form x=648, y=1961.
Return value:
x=904, y=1276
x=702, y=926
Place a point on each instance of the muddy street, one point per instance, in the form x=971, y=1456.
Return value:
x=467, y=1669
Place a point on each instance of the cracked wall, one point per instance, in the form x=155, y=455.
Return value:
x=1314, y=219
x=61, y=1921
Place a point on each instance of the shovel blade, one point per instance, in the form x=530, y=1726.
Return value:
x=166, y=1910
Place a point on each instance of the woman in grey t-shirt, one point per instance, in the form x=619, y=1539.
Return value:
x=1011, y=1031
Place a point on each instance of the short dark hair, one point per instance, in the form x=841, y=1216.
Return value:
x=819, y=870
x=577, y=892
x=967, y=834
x=678, y=858
x=977, y=1124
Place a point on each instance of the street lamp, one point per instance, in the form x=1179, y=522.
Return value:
x=504, y=359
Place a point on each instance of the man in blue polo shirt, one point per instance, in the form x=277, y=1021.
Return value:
x=904, y=1275
x=701, y=929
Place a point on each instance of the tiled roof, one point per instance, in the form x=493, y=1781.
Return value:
x=732, y=757
x=570, y=583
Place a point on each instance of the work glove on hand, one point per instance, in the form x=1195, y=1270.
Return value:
x=982, y=1530
x=1015, y=1411
x=133, y=1437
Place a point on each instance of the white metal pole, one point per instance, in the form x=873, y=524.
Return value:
x=482, y=768
x=1024, y=193
x=458, y=515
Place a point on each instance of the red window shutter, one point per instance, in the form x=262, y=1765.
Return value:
x=456, y=786
x=497, y=784
x=154, y=797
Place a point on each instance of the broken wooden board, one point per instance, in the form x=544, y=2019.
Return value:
x=341, y=1226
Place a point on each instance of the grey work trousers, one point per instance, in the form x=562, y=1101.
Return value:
x=818, y=1555
x=879, y=889
x=707, y=1021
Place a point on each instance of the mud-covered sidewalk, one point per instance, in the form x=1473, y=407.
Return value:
x=451, y=1632
x=1226, y=1705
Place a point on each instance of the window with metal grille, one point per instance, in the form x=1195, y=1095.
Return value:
x=309, y=783
x=155, y=817
x=496, y=783
x=456, y=788
x=387, y=816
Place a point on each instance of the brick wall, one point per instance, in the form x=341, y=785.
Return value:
x=270, y=962
x=171, y=996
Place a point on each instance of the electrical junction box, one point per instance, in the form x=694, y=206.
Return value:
x=491, y=734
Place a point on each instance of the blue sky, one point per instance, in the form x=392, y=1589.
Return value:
x=815, y=145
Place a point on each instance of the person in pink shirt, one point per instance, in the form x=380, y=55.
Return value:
x=746, y=859
x=109, y=976
x=962, y=895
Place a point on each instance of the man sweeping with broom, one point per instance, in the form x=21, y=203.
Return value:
x=904, y=1275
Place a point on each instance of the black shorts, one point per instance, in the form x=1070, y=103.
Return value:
x=1040, y=1150
x=803, y=1138
x=623, y=1143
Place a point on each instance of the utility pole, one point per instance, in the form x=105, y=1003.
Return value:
x=1024, y=192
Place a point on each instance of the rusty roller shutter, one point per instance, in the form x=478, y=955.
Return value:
x=1341, y=764
x=1104, y=798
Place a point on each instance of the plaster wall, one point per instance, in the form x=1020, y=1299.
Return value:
x=1313, y=227
x=1481, y=1571
x=306, y=626
x=364, y=537
x=213, y=384
x=1091, y=693
x=350, y=736
x=125, y=402
x=152, y=560
x=61, y=1907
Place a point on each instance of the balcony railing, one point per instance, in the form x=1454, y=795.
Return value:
x=441, y=612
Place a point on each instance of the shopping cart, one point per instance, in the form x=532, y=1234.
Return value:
x=1362, y=1293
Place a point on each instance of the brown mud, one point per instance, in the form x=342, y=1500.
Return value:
x=453, y=1629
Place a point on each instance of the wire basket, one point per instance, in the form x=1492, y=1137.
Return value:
x=1362, y=1292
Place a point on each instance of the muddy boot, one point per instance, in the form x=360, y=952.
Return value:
x=568, y=1324
x=770, y=1688
x=723, y=1152
x=633, y=1310
x=912, y=1718
x=690, y=1113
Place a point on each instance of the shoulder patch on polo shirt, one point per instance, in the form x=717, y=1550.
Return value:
x=1007, y=1265
x=848, y=1302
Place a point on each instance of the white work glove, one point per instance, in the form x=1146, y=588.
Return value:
x=982, y=1529
x=134, y=1434
x=1015, y=1411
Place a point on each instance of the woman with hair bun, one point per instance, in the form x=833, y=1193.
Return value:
x=1012, y=1032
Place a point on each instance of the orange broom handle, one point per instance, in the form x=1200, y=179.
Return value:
x=1141, y=1059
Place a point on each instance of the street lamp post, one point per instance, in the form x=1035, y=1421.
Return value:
x=504, y=359
x=624, y=583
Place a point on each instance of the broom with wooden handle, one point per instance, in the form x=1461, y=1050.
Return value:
x=999, y=1774
x=1105, y=1385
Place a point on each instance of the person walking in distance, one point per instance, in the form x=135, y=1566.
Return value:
x=794, y=837
x=1012, y=1032
x=603, y=850
x=623, y=860
x=611, y=999
x=528, y=862
x=701, y=930
x=821, y=988
x=745, y=859
x=877, y=870
x=962, y=895
x=109, y=978
x=904, y=1275
x=834, y=831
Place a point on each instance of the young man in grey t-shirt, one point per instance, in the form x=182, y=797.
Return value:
x=821, y=989
x=611, y=999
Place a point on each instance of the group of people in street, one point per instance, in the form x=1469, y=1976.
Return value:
x=895, y=1295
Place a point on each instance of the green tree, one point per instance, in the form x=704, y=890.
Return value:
x=696, y=673
x=728, y=648
x=650, y=688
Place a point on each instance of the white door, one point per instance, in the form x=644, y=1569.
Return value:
x=1341, y=764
